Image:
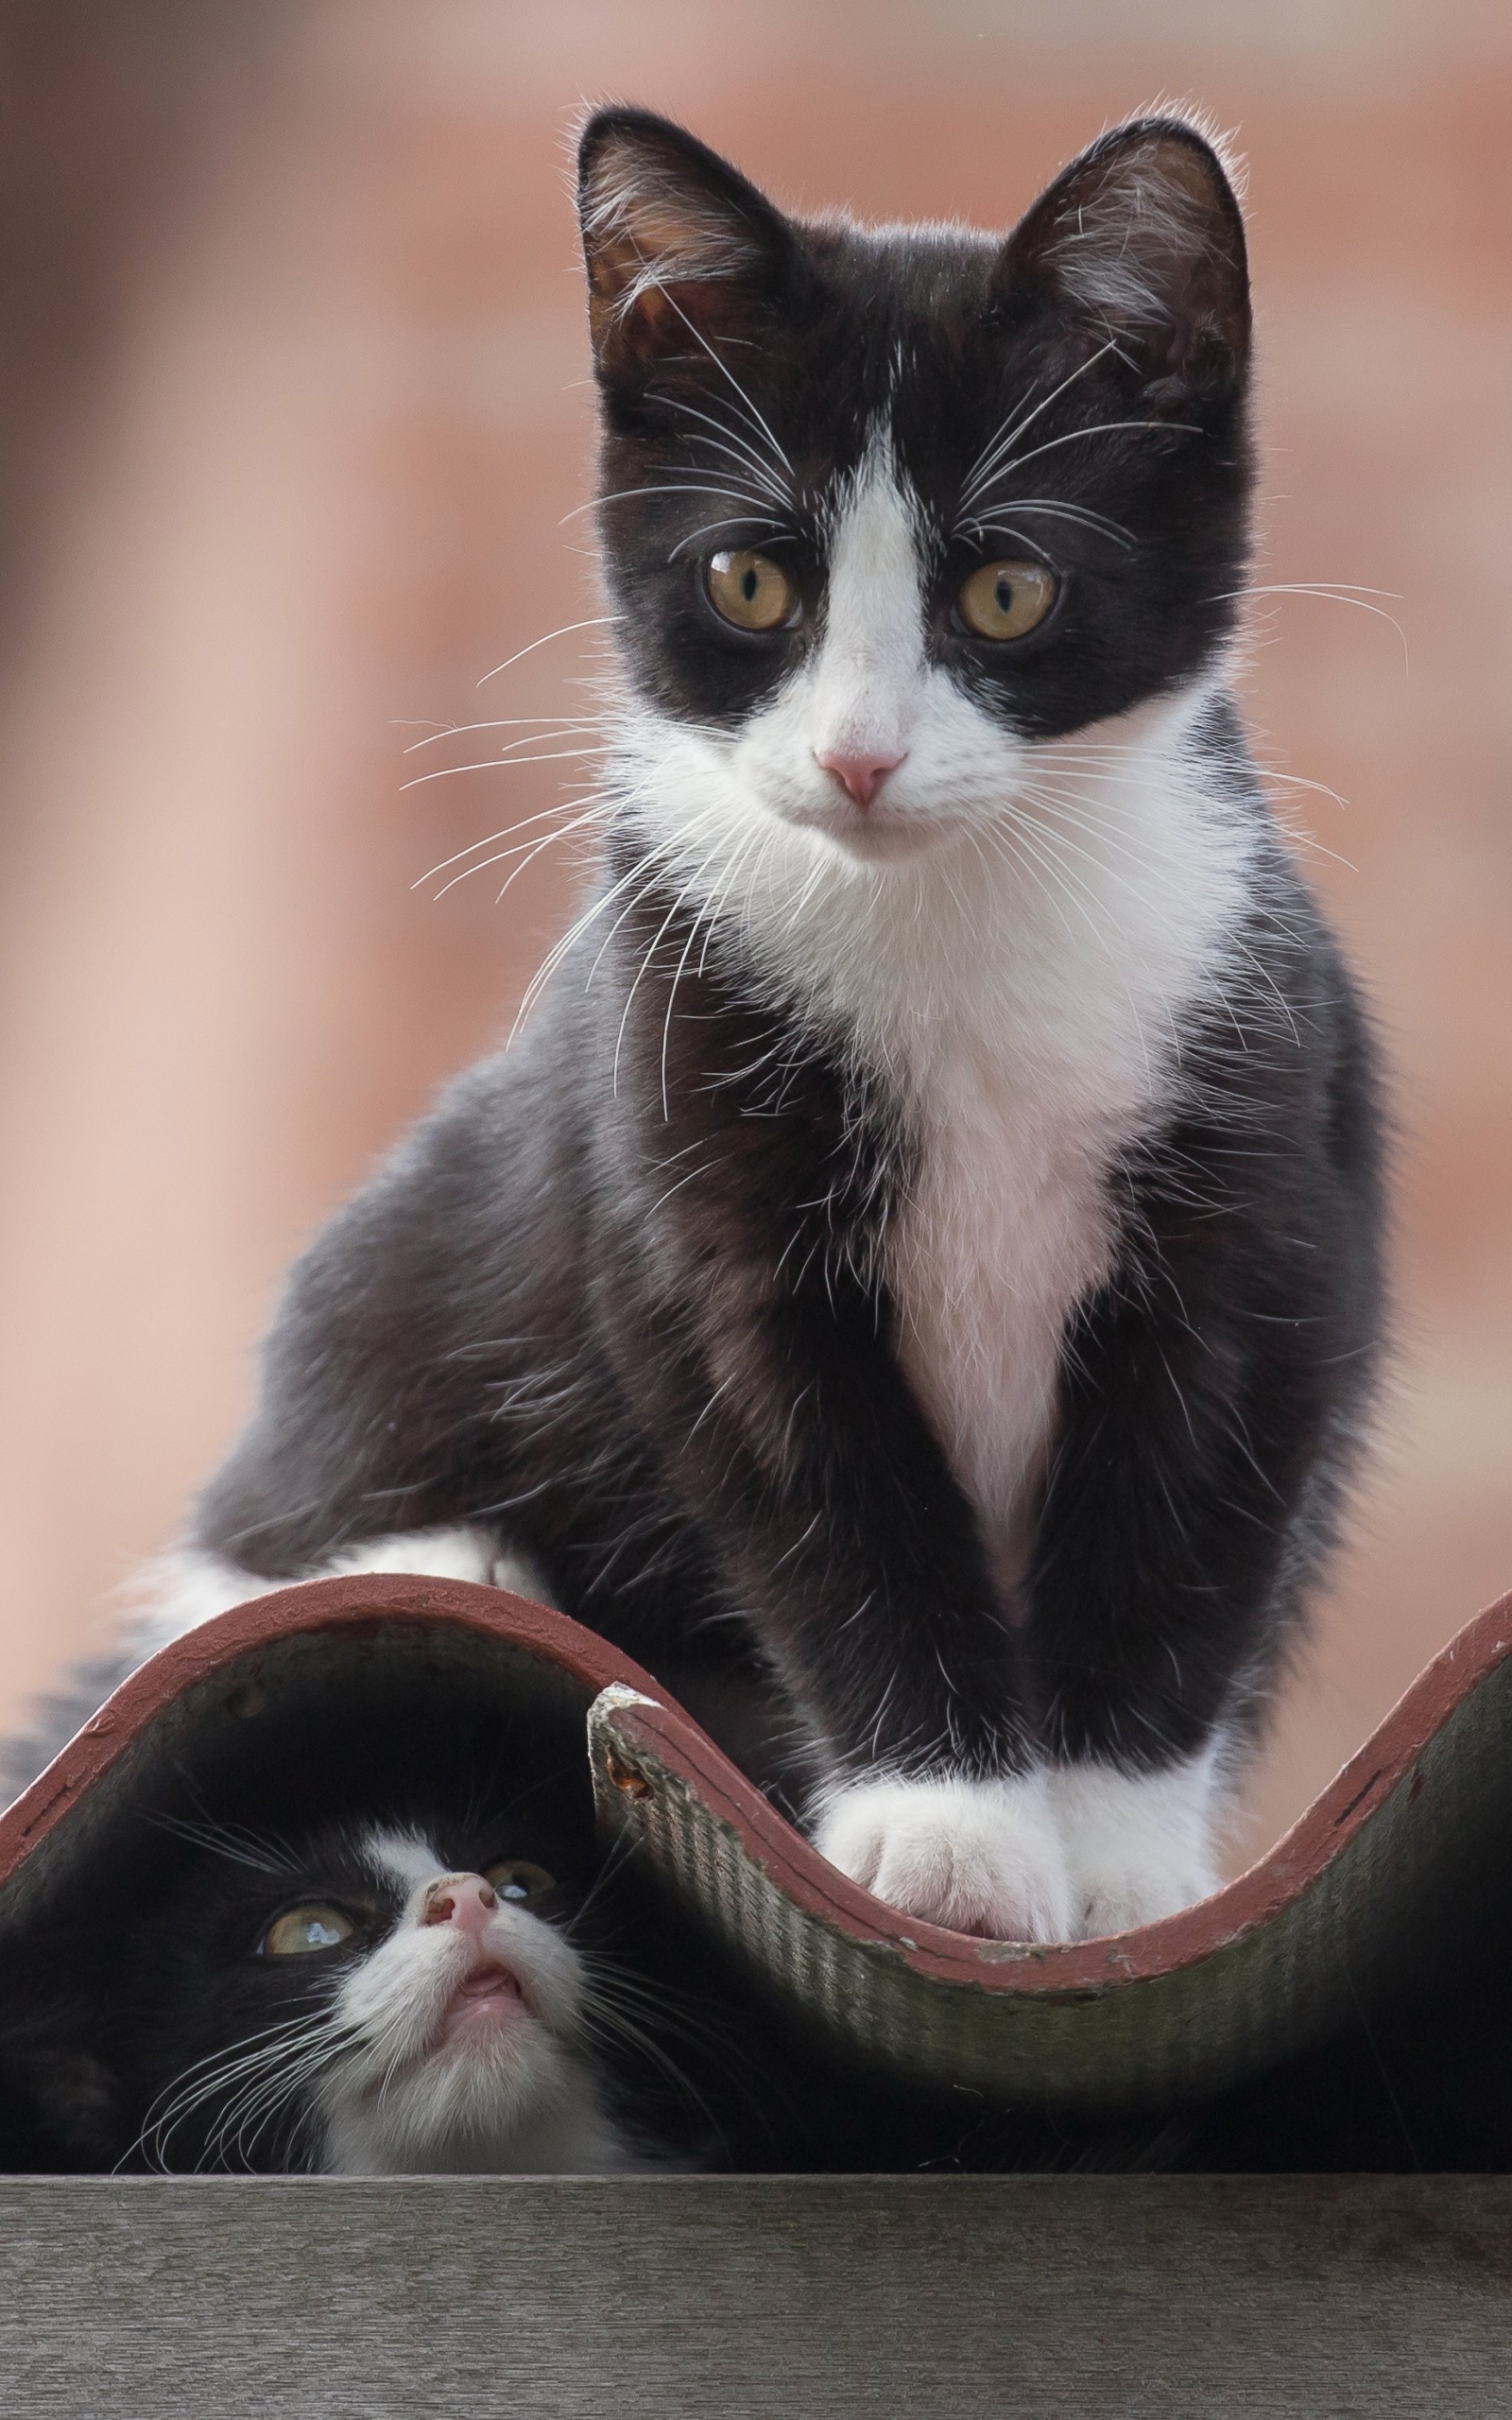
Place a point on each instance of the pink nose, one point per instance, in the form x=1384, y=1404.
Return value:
x=860, y=774
x=464, y=1900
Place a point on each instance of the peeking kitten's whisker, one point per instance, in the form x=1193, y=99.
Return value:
x=609, y=2025
x=268, y=1852
x=226, y=1841
x=261, y=2100
x=204, y=2077
x=591, y=622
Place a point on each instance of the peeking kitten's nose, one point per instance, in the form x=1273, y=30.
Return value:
x=464, y=1900
x=860, y=774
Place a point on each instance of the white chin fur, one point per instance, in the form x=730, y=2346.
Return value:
x=187, y=1586
x=508, y=2096
x=980, y=1857
x=1139, y=1846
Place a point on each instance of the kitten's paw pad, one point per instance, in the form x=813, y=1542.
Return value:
x=980, y=1857
x=1137, y=1845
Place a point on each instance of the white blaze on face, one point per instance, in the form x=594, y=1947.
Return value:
x=867, y=689
x=866, y=695
x=412, y=2094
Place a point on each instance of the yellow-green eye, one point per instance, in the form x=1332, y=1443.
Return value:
x=517, y=1883
x=301, y=1932
x=750, y=590
x=1006, y=600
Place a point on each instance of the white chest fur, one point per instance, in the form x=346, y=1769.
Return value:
x=1019, y=989
x=1005, y=1230
x=1049, y=1042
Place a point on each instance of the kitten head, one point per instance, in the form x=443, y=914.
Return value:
x=886, y=510
x=451, y=2002
x=367, y=1998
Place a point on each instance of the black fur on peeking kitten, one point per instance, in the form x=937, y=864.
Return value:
x=137, y=2017
x=620, y=1298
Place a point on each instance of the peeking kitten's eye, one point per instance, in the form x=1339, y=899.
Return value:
x=750, y=590
x=517, y=1883
x=1006, y=600
x=301, y=1930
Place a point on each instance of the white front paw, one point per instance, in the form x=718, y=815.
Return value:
x=980, y=1857
x=1139, y=1846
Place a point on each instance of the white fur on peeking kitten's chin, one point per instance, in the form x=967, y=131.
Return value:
x=1139, y=1846
x=512, y=2099
x=980, y=1857
x=188, y=1586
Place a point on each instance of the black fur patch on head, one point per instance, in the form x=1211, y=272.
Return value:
x=141, y=2025
x=1072, y=395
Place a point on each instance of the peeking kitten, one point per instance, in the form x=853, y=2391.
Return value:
x=920, y=1268
x=360, y=2000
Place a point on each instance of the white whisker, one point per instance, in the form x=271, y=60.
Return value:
x=1005, y=438
x=593, y=621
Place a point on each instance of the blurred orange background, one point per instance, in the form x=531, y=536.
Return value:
x=294, y=400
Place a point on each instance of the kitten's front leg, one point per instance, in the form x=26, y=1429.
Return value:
x=841, y=1529
x=980, y=1856
x=1138, y=1846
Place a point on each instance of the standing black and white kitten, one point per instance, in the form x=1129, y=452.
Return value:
x=922, y=1266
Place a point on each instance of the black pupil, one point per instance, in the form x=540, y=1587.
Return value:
x=1003, y=593
x=515, y=1890
x=750, y=582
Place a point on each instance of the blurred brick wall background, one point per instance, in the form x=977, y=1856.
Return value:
x=293, y=381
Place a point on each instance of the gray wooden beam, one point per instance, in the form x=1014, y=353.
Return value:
x=801, y=2298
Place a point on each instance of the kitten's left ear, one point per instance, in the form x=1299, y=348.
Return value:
x=1140, y=238
x=680, y=249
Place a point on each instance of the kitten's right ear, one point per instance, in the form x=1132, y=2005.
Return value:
x=1142, y=241
x=681, y=249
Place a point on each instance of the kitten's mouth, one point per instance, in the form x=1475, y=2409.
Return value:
x=491, y=1995
x=881, y=834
